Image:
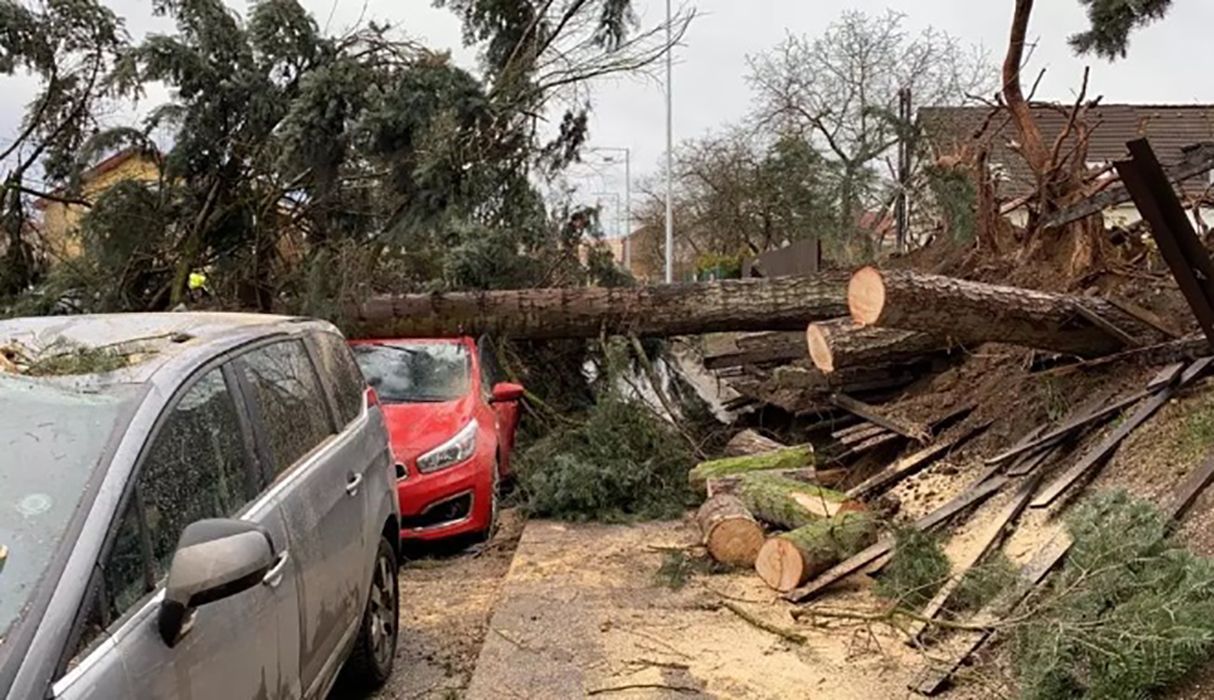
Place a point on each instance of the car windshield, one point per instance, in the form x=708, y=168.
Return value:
x=52, y=439
x=415, y=372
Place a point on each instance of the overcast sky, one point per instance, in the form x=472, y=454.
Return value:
x=1168, y=62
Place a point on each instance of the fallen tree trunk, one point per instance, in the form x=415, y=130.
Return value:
x=730, y=533
x=841, y=344
x=787, y=458
x=790, y=504
x=788, y=560
x=783, y=303
x=971, y=313
x=750, y=442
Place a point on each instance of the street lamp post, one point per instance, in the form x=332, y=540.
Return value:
x=669, y=149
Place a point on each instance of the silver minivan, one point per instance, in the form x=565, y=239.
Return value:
x=191, y=506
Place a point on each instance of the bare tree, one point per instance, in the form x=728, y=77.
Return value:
x=840, y=90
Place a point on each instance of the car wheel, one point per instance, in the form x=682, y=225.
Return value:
x=495, y=498
x=374, y=653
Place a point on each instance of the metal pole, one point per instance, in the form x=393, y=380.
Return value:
x=669, y=149
x=628, y=209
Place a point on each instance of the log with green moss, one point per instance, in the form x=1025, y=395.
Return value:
x=788, y=560
x=790, y=503
x=789, y=458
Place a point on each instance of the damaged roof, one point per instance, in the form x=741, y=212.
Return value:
x=1171, y=129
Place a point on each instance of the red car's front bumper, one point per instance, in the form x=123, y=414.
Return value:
x=450, y=502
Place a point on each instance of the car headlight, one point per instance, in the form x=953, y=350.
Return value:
x=451, y=452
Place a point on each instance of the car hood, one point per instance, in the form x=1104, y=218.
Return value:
x=416, y=428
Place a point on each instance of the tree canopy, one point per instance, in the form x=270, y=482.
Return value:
x=1112, y=21
x=303, y=167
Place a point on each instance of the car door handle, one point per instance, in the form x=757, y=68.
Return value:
x=273, y=577
x=353, y=484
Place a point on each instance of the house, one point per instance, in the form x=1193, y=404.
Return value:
x=1171, y=128
x=61, y=221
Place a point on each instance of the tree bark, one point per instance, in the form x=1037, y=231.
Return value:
x=841, y=344
x=750, y=442
x=782, y=303
x=785, y=459
x=971, y=313
x=1031, y=143
x=790, y=504
x=730, y=533
x=788, y=560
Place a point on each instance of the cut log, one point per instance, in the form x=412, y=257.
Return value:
x=783, y=303
x=840, y=344
x=792, y=558
x=790, y=504
x=981, y=489
x=788, y=458
x=730, y=533
x=971, y=313
x=750, y=442
x=808, y=475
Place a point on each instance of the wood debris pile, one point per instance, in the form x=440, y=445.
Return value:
x=808, y=516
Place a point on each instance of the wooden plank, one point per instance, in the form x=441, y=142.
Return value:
x=972, y=496
x=1048, y=557
x=934, y=681
x=1144, y=179
x=1107, y=326
x=869, y=413
x=844, y=432
x=1146, y=317
x=1198, y=159
x=1086, y=420
x=1189, y=348
x=1091, y=461
x=1188, y=491
x=859, y=436
x=913, y=463
x=987, y=540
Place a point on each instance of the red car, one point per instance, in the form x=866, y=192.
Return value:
x=451, y=430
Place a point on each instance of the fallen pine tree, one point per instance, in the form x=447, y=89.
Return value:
x=960, y=312
x=789, y=503
x=783, y=303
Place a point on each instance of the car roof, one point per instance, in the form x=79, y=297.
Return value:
x=151, y=339
x=459, y=340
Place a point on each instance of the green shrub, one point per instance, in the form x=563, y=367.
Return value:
x=1130, y=612
x=623, y=463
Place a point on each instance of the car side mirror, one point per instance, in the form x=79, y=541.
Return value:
x=215, y=559
x=506, y=391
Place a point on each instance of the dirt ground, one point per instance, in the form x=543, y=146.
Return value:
x=446, y=598
x=581, y=610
